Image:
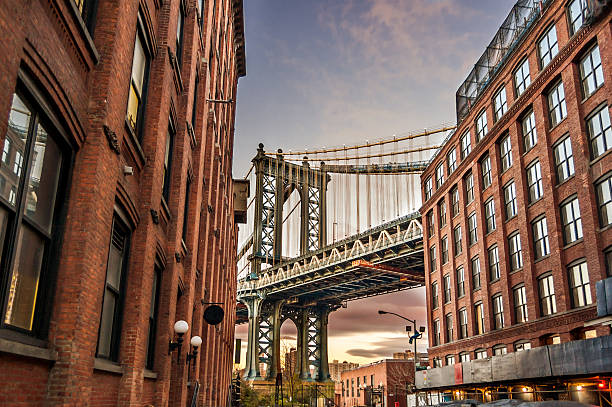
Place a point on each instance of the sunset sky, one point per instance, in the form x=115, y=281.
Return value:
x=330, y=72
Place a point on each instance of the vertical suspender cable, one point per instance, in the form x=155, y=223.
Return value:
x=368, y=192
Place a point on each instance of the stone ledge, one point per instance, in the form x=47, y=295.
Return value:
x=22, y=349
x=149, y=374
x=107, y=366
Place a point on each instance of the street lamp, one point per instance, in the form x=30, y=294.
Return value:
x=414, y=337
x=180, y=328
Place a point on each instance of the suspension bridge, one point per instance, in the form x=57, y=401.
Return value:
x=367, y=196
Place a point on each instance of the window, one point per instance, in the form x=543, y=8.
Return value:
x=591, y=72
x=466, y=144
x=480, y=353
x=455, y=201
x=358, y=386
x=490, y=215
x=463, y=323
x=540, y=238
x=500, y=103
x=572, y=222
x=138, y=82
x=485, y=167
x=29, y=224
x=449, y=328
x=437, y=362
x=450, y=360
x=475, y=273
x=168, y=162
x=530, y=135
x=556, y=104
x=432, y=258
x=546, y=288
x=179, y=35
x=114, y=292
x=577, y=11
x=469, y=187
x=608, y=254
x=564, y=159
x=510, y=200
x=439, y=175
x=444, y=249
x=522, y=345
x=464, y=357
x=447, y=289
x=473, y=228
x=431, y=226
x=498, y=311
x=186, y=208
x=434, y=295
x=516, y=254
x=548, y=47
x=579, y=285
x=460, y=282
x=499, y=350
x=505, y=150
x=493, y=263
x=201, y=17
x=436, y=333
x=600, y=134
x=451, y=160
x=481, y=126
x=604, y=200
x=522, y=80
x=457, y=240
x=520, y=304
x=442, y=212
x=428, y=188
x=479, y=318
x=534, y=181
x=153, y=309
x=194, y=104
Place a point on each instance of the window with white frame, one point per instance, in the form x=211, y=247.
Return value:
x=434, y=295
x=580, y=286
x=450, y=360
x=548, y=47
x=485, y=167
x=475, y=273
x=557, y=110
x=571, y=220
x=530, y=135
x=604, y=200
x=444, y=249
x=451, y=160
x=469, y=187
x=591, y=71
x=546, y=288
x=481, y=126
x=473, y=229
x=431, y=225
x=460, y=282
x=514, y=249
x=464, y=356
x=432, y=258
x=447, y=288
x=498, y=311
x=520, y=304
x=442, y=212
x=436, y=332
x=428, y=188
x=600, y=133
x=466, y=144
x=522, y=345
x=455, y=201
x=463, y=323
x=439, y=175
x=490, y=215
x=458, y=240
x=500, y=103
x=505, y=151
x=534, y=181
x=540, y=238
x=479, y=318
x=576, y=10
x=510, y=200
x=499, y=350
x=564, y=159
x=522, y=80
x=480, y=353
x=448, y=319
x=493, y=263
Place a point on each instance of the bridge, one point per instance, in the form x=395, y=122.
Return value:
x=322, y=273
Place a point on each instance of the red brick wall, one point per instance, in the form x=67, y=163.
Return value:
x=594, y=242
x=87, y=88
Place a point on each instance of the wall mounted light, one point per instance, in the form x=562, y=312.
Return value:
x=196, y=341
x=180, y=328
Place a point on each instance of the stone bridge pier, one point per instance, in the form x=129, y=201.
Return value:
x=263, y=345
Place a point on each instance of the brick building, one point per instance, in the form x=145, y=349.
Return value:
x=336, y=368
x=517, y=208
x=120, y=116
x=381, y=383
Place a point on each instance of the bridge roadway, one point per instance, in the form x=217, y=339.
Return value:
x=381, y=260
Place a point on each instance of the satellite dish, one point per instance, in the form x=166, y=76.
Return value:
x=213, y=314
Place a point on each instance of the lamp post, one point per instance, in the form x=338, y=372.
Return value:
x=408, y=329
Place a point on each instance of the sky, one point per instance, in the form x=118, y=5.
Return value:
x=333, y=72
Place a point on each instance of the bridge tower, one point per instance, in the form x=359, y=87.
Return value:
x=276, y=180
